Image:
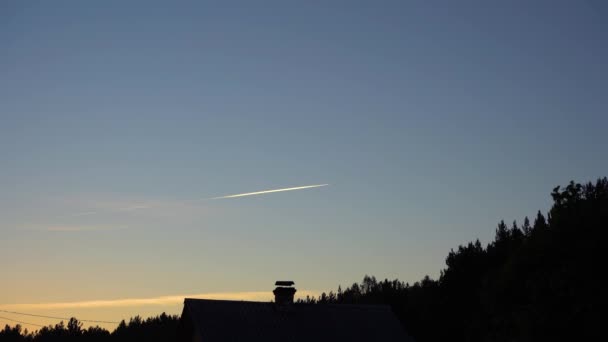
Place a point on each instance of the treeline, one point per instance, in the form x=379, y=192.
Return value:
x=534, y=282
x=159, y=328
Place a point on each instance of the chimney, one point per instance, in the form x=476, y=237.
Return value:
x=284, y=292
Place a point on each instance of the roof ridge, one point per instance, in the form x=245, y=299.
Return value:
x=338, y=305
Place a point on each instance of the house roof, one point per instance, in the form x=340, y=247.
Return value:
x=221, y=320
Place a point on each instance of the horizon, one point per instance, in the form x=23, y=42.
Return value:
x=154, y=151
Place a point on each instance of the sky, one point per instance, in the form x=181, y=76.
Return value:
x=431, y=121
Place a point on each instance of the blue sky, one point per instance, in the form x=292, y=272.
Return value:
x=430, y=120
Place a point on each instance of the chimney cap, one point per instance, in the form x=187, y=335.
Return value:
x=284, y=283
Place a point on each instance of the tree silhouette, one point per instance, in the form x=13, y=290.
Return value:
x=529, y=284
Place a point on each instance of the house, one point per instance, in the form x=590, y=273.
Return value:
x=283, y=320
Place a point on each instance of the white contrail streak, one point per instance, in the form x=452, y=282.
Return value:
x=141, y=206
x=270, y=191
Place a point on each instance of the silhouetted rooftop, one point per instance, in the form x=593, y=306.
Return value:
x=220, y=320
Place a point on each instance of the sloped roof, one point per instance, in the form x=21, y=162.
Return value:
x=221, y=320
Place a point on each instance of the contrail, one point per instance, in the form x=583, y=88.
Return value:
x=146, y=206
x=270, y=191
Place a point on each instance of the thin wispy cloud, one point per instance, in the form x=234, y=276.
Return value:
x=68, y=228
x=84, y=213
x=263, y=192
x=134, y=207
x=80, y=228
x=160, y=300
x=128, y=208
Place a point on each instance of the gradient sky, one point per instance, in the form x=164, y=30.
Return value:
x=431, y=121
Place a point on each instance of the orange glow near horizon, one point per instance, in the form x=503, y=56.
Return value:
x=118, y=309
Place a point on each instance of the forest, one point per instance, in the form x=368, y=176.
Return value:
x=535, y=281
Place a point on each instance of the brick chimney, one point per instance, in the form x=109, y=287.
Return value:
x=284, y=292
